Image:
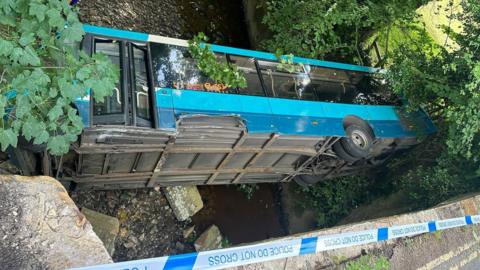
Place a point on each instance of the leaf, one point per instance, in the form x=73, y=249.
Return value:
x=38, y=10
x=23, y=106
x=58, y=145
x=41, y=137
x=7, y=5
x=8, y=137
x=55, y=18
x=6, y=47
x=26, y=39
x=83, y=73
x=74, y=32
x=55, y=112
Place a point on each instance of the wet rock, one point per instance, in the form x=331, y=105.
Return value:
x=188, y=231
x=179, y=246
x=185, y=201
x=106, y=227
x=209, y=239
x=41, y=227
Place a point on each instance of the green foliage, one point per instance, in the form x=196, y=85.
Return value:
x=446, y=84
x=286, y=63
x=369, y=262
x=335, y=198
x=319, y=28
x=449, y=177
x=40, y=75
x=220, y=72
x=248, y=189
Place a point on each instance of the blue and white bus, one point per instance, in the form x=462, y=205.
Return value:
x=168, y=124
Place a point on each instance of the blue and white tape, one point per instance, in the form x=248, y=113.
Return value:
x=268, y=251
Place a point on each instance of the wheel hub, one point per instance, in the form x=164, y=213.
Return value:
x=359, y=139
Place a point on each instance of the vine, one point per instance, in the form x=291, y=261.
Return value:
x=221, y=72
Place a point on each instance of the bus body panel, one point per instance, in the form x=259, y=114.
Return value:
x=165, y=110
x=83, y=108
x=276, y=115
x=255, y=111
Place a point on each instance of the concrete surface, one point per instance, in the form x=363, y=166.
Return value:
x=184, y=200
x=451, y=249
x=41, y=228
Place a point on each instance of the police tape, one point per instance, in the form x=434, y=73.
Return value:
x=267, y=251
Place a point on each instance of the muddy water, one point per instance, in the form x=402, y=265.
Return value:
x=240, y=219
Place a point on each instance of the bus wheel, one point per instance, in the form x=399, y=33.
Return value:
x=359, y=140
x=306, y=180
x=341, y=153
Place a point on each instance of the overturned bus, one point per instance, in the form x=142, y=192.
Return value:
x=168, y=124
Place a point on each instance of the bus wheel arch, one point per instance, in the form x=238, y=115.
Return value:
x=358, y=142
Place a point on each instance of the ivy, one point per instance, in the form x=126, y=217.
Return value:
x=41, y=76
x=221, y=72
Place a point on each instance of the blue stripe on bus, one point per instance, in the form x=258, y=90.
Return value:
x=302, y=125
x=309, y=61
x=110, y=32
x=279, y=106
x=292, y=117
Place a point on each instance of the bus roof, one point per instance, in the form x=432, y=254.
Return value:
x=143, y=37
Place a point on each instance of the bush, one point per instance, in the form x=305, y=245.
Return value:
x=319, y=28
x=333, y=199
x=41, y=74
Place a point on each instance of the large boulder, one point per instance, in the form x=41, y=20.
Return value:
x=184, y=200
x=41, y=228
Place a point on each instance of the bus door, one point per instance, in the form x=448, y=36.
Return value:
x=132, y=99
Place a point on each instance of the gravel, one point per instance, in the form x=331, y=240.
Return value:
x=148, y=227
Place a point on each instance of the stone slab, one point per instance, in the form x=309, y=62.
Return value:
x=184, y=200
x=106, y=227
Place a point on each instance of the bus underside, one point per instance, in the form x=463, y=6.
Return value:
x=205, y=150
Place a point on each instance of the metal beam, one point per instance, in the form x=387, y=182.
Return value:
x=106, y=161
x=161, y=161
x=228, y=157
x=325, y=146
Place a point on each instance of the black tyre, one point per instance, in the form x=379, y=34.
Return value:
x=341, y=153
x=359, y=140
x=306, y=180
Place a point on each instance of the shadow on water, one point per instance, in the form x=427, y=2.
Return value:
x=240, y=219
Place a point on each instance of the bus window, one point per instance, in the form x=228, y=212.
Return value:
x=141, y=84
x=333, y=85
x=247, y=66
x=174, y=68
x=112, y=104
x=284, y=84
